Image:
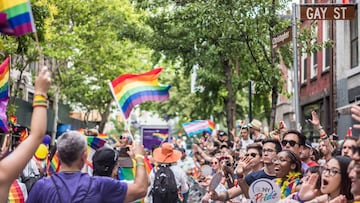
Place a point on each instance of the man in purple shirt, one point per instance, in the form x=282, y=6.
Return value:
x=70, y=185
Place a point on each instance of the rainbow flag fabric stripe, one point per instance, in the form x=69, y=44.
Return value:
x=18, y=16
x=198, y=126
x=53, y=166
x=15, y=194
x=130, y=90
x=161, y=136
x=95, y=143
x=4, y=93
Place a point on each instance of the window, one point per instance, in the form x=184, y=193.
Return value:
x=354, y=41
x=326, y=50
x=314, y=60
x=303, y=68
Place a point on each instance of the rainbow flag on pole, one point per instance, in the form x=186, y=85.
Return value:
x=53, y=165
x=130, y=90
x=198, y=126
x=18, y=16
x=4, y=93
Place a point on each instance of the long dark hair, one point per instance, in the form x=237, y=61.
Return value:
x=345, y=184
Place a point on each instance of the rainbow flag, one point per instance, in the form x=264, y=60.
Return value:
x=130, y=90
x=148, y=166
x=4, y=93
x=198, y=126
x=23, y=134
x=15, y=194
x=53, y=166
x=161, y=136
x=12, y=119
x=94, y=142
x=240, y=123
x=19, y=17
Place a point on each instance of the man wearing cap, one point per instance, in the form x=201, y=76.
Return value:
x=255, y=130
x=166, y=154
x=104, y=161
x=306, y=154
x=71, y=185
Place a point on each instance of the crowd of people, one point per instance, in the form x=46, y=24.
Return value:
x=171, y=172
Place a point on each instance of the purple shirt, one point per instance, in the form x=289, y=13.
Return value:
x=73, y=187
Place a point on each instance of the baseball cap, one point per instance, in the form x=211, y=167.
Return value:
x=104, y=161
x=308, y=144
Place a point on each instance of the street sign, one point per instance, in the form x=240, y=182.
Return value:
x=327, y=11
x=282, y=38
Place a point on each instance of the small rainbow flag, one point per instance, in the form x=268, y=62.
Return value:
x=15, y=194
x=240, y=123
x=4, y=93
x=148, y=166
x=53, y=166
x=23, y=134
x=19, y=17
x=161, y=136
x=12, y=119
x=94, y=142
x=130, y=90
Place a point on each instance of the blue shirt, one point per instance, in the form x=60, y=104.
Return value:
x=76, y=187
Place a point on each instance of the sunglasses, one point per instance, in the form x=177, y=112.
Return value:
x=215, y=162
x=251, y=154
x=291, y=142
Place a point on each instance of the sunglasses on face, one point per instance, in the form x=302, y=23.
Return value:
x=215, y=162
x=291, y=142
x=251, y=154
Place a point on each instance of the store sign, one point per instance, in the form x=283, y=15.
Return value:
x=327, y=11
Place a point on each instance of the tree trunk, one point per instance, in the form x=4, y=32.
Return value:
x=274, y=97
x=104, y=116
x=230, y=107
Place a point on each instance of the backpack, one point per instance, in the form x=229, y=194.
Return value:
x=164, y=187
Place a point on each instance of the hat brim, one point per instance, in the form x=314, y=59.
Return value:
x=161, y=158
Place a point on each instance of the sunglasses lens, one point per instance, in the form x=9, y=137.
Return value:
x=253, y=155
x=292, y=143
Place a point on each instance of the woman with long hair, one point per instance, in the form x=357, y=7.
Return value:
x=335, y=183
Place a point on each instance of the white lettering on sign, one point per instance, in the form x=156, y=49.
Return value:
x=316, y=13
x=339, y=13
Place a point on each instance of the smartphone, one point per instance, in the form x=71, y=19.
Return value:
x=123, y=151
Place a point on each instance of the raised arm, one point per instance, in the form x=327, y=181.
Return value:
x=12, y=165
x=316, y=123
x=138, y=189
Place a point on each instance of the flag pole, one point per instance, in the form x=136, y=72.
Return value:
x=126, y=125
x=41, y=57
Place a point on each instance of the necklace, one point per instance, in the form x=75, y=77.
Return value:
x=288, y=186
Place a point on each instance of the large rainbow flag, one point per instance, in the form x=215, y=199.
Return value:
x=130, y=90
x=4, y=93
x=198, y=126
x=19, y=18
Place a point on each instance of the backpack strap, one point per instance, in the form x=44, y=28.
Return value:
x=57, y=189
x=87, y=192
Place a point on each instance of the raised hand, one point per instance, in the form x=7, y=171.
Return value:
x=355, y=114
x=308, y=188
x=315, y=119
x=43, y=81
x=243, y=166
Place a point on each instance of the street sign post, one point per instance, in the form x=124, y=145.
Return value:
x=327, y=11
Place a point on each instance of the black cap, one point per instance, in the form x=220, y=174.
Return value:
x=308, y=144
x=104, y=161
